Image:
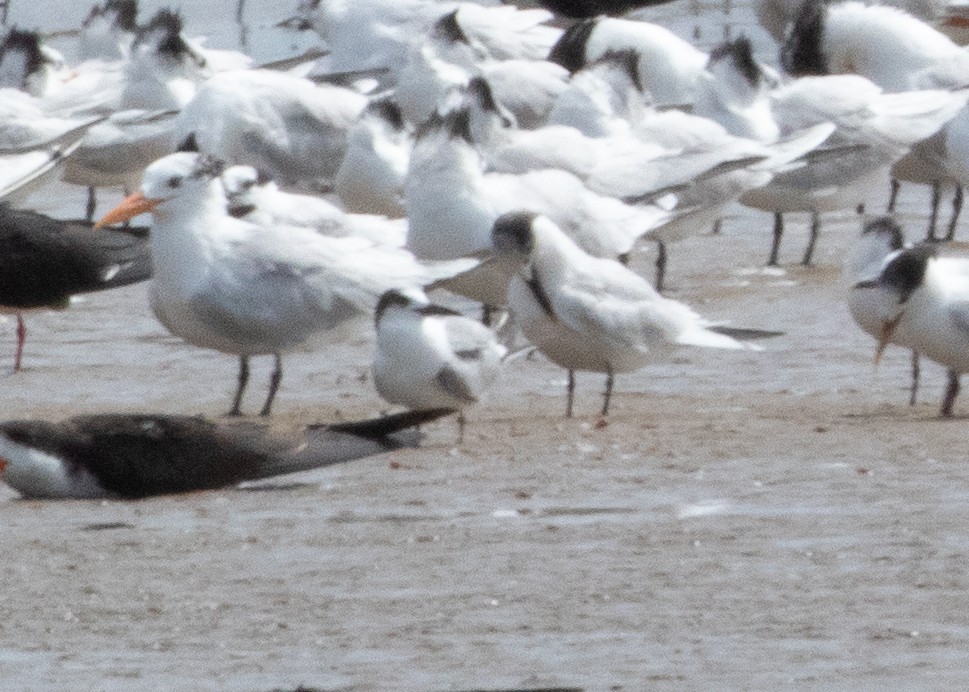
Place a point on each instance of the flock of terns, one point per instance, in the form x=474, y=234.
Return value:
x=514, y=155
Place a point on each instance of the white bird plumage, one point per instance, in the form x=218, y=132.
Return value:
x=248, y=289
x=591, y=313
x=427, y=356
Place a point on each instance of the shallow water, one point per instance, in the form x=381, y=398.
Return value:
x=745, y=519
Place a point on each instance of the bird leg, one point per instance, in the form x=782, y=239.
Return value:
x=660, y=266
x=274, y=381
x=92, y=203
x=812, y=241
x=241, y=387
x=462, y=422
x=951, y=392
x=21, y=339
x=778, y=232
x=608, y=393
x=956, y=210
x=934, y=213
x=570, y=394
x=893, y=195
x=916, y=372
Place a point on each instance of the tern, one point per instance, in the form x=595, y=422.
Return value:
x=667, y=65
x=453, y=204
x=249, y=289
x=874, y=129
x=880, y=241
x=591, y=313
x=428, y=356
x=919, y=300
x=256, y=197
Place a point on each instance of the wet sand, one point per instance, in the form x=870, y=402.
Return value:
x=742, y=520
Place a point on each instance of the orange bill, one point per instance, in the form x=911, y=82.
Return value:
x=130, y=207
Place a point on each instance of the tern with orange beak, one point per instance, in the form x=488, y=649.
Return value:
x=250, y=289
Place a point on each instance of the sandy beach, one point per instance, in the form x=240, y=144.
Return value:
x=742, y=520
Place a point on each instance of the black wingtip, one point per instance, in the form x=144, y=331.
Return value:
x=388, y=425
x=569, y=50
x=189, y=144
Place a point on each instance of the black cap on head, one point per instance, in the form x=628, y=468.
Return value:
x=888, y=226
x=741, y=54
x=449, y=29
x=208, y=166
x=513, y=231
x=389, y=299
x=457, y=124
x=189, y=144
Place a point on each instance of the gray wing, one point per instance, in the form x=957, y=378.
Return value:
x=455, y=384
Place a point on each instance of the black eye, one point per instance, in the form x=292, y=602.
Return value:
x=174, y=182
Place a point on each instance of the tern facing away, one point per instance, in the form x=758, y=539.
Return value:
x=249, y=289
x=590, y=313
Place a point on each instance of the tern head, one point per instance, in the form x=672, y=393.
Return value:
x=449, y=30
x=881, y=238
x=570, y=50
x=388, y=111
x=481, y=97
x=513, y=234
x=737, y=58
x=162, y=37
x=243, y=186
x=121, y=14
x=886, y=230
x=400, y=299
x=25, y=63
x=454, y=124
x=176, y=175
